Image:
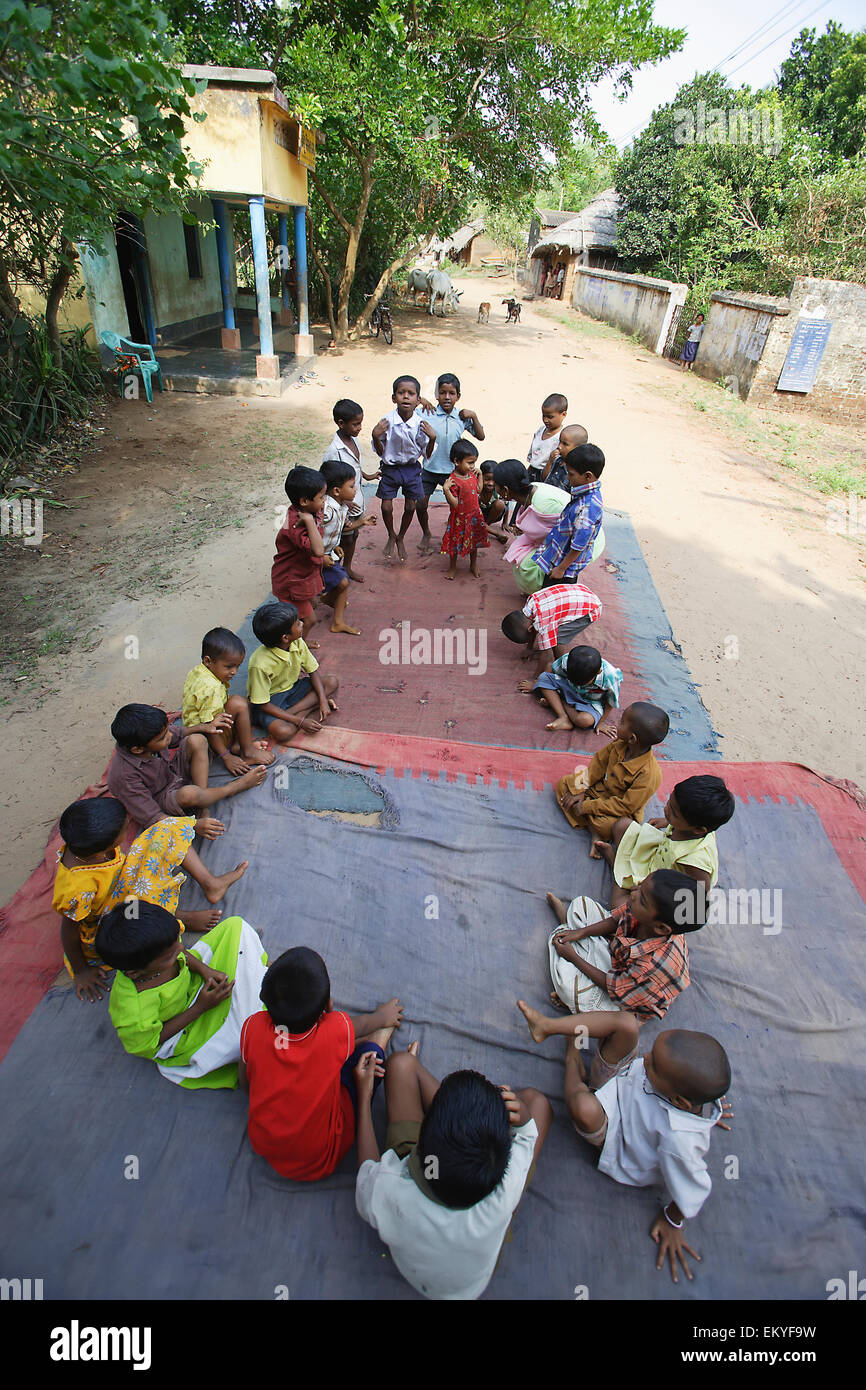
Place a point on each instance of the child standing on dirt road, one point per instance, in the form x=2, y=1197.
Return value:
x=401, y=439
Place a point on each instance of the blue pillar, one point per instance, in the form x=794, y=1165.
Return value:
x=263, y=284
x=301, y=267
x=284, y=243
x=224, y=258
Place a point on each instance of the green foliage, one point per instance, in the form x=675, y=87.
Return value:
x=578, y=176
x=37, y=394
x=92, y=105
x=824, y=81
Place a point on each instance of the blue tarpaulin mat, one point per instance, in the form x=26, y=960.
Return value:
x=118, y=1184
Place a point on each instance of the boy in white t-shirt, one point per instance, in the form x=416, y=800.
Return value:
x=345, y=447
x=546, y=438
x=652, y=1124
x=458, y=1156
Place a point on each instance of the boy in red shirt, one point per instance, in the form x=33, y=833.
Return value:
x=298, y=1061
x=296, y=573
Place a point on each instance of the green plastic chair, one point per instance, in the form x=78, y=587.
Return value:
x=146, y=364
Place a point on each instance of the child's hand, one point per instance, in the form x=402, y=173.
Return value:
x=235, y=765
x=338, y=551
x=328, y=562
x=671, y=1242
x=221, y=723
x=312, y=726
x=208, y=827
x=380, y=430
x=727, y=1114
x=566, y=934
x=428, y=406
x=609, y=730
x=526, y=687
x=427, y=429
x=563, y=948
x=89, y=983
x=468, y=415
x=218, y=976
x=366, y=1071
x=390, y=1015
x=369, y=521
x=214, y=991
x=516, y=1109
x=660, y=822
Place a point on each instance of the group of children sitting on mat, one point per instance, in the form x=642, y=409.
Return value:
x=459, y=1152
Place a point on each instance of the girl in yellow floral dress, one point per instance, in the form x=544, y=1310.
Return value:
x=94, y=875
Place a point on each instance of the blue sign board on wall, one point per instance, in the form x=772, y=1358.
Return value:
x=804, y=355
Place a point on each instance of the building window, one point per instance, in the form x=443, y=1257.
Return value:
x=193, y=254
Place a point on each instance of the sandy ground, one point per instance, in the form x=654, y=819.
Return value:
x=174, y=521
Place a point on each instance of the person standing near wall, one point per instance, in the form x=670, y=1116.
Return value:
x=690, y=347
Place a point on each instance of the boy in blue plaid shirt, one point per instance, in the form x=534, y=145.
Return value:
x=568, y=547
x=580, y=688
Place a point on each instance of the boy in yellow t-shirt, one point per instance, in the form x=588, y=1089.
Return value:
x=205, y=696
x=282, y=699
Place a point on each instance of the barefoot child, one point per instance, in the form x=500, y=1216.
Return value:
x=621, y=778
x=458, y=1155
x=651, y=1124
x=142, y=775
x=183, y=1009
x=450, y=424
x=298, y=1062
x=570, y=437
x=282, y=699
x=537, y=507
x=550, y=620
x=205, y=695
x=580, y=688
x=401, y=439
x=94, y=875
x=683, y=838
x=570, y=545
x=634, y=957
x=466, y=530
x=345, y=448
x=296, y=574
x=546, y=438
x=337, y=529
x=492, y=506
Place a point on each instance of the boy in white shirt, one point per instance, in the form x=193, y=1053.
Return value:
x=401, y=439
x=459, y=1154
x=340, y=484
x=652, y=1122
x=345, y=447
x=546, y=438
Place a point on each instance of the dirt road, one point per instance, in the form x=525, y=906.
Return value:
x=173, y=527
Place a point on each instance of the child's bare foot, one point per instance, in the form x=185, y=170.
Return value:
x=401, y=550
x=259, y=756
x=208, y=827
x=253, y=778
x=605, y=851
x=473, y=570
x=412, y=1049
x=344, y=627
x=389, y=548
x=595, y=850
x=557, y=1002
x=425, y=545
x=200, y=918
x=223, y=882
x=559, y=908
x=526, y=687
x=537, y=1022
x=353, y=574
x=314, y=646
x=562, y=723
x=452, y=574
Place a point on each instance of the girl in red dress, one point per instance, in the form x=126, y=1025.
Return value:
x=466, y=527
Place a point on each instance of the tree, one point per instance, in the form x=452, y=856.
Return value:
x=426, y=105
x=824, y=83
x=92, y=105
x=578, y=176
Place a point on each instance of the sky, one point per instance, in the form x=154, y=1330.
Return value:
x=715, y=29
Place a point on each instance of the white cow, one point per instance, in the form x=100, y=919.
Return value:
x=416, y=281
x=440, y=286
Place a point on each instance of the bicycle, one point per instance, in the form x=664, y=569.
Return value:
x=381, y=318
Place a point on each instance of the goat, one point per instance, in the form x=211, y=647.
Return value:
x=513, y=310
x=484, y=312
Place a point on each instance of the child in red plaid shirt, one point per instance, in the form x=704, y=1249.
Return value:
x=634, y=958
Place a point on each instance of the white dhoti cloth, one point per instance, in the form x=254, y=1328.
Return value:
x=577, y=992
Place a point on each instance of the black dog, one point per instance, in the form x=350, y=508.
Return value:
x=513, y=310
